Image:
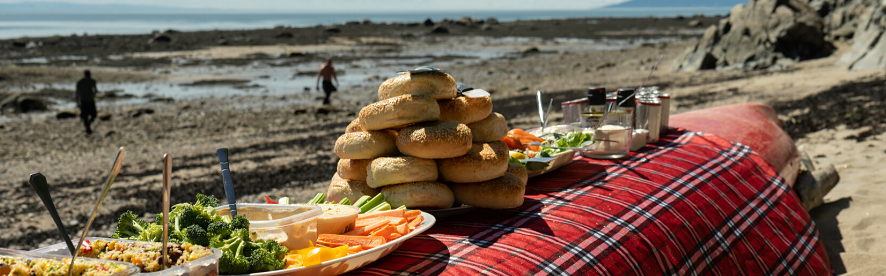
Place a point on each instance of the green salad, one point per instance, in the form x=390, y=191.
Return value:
x=573, y=139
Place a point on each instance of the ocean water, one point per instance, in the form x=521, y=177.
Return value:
x=14, y=25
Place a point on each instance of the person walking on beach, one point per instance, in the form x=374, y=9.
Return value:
x=328, y=74
x=85, y=97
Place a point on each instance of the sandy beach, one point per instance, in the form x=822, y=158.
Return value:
x=253, y=93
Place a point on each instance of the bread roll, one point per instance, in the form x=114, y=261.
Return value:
x=519, y=171
x=398, y=112
x=437, y=85
x=490, y=129
x=366, y=145
x=503, y=192
x=434, y=140
x=465, y=110
x=385, y=171
x=483, y=162
x=353, y=169
x=354, y=126
x=340, y=188
x=421, y=195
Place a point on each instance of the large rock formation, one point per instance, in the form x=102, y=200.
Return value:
x=868, y=45
x=841, y=16
x=759, y=35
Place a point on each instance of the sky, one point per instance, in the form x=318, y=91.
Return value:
x=361, y=5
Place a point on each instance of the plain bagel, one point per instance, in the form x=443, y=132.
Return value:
x=437, y=85
x=465, y=110
x=354, y=126
x=503, y=192
x=340, y=188
x=435, y=140
x=366, y=145
x=519, y=171
x=353, y=169
x=399, y=111
x=385, y=171
x=484, y=161
x=492, y=128
x=422, y=195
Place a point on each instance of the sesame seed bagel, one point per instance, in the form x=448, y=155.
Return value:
x=437, y=85
x=399, y=111
x=490, y=129
x=366, y=145
x=340, y=188
x=465, y=110
x=435, y=140
x=519, y=171
x=385, y=171
x=421, y=195
x=484, y=161
x=353, y=169
x=502, y=192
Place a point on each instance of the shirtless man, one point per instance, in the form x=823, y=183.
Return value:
x=328, y=74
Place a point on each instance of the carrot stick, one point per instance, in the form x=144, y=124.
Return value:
x=355, y=249
x=416, y=222
x=394, y=236
x=366, y=230
x=389, y=213
x=370, y=221
x=384, y=232
x=412, y=214
x=403, y=229
x=365, y=242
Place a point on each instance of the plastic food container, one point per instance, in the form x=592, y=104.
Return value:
x=336, y=219
x=129, y=270
x=292, y=225
x=207, y=265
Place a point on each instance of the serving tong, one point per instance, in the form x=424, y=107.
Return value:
x=167, y=186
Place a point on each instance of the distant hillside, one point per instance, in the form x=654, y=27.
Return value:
x=677, y=3
x=38, y=7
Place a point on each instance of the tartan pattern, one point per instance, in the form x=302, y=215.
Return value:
x=694, y=204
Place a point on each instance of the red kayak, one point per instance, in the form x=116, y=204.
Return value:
x=753, y=124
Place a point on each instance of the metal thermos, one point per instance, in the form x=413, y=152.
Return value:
x=665, y=99
x=649, y=117
x=596, y=100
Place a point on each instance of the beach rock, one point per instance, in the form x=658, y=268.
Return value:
x=756, y=36
x=284, y=35
x=296, y=54
x=104, y=116
x=160, y=38
x=367, y=21
x=868, y=45
x=22, y=103
x=529, y=51
x=429, y=22
x=300, y=110
x=67, y=114
x=18, y=43
x=333, y=30
x=325, y=109
x=694, y=23
x=491, y=21
x=486, y=27
x=352, y=23
x=440, y=30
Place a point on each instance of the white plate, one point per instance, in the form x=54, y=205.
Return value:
x=560, y=160
x=351, y=262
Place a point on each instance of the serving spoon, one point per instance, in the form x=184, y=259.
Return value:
x=38, y=181
x=115, y=168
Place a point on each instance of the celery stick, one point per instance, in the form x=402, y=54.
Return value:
x=381, y=207
x=315, y=199
x=375, y=201
x=345, y=201
x=402, y=207
x=283, y=200
x=361, y=201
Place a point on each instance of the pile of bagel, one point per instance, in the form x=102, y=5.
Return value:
x=425, y=147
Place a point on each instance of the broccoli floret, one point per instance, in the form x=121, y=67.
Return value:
x=233, y=261
x=240, y=222
x=206, y=201
x=274, y=248
x=261, y=260
x=152, y=233
x=194, y=234
x=129, y=227
x=219, y=229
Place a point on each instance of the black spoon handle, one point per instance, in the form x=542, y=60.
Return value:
x=38, y=181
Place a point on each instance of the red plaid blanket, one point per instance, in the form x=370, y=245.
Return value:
x=694, y=204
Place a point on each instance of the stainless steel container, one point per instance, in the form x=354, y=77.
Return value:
x=665, y=99
x=649, y=117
